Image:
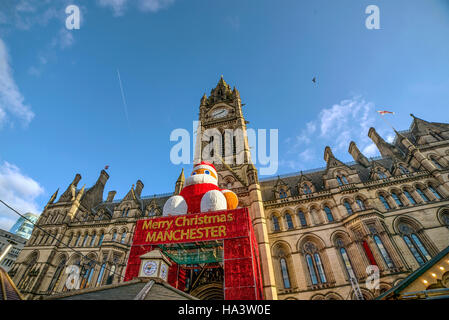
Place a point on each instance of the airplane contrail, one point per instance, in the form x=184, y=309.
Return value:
x=125, y=105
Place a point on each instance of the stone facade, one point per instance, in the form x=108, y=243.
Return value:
x=317, y=231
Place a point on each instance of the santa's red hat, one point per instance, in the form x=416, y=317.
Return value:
x=205, y=165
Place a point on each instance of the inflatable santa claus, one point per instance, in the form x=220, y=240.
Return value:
x=201, y=194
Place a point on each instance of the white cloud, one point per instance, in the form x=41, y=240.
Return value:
x=390, y=138
x=370, y=150
x=119, y=6
x=19, y=191
x=64, y=39
x=11, y=100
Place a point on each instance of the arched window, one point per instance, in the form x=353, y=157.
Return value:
x=361, y=204
x=288, y=219
x=384, y=202
x=348, y=207
x=86, y=274
x=422, y=194
x=85, y=240
x=114, y=236
x=383, y=251
x=110, y=278
x=435, y=192
x=396, y=199
x=345, y=181
x=314, y=264
x=306, y=189
x=340, y=183
x=122, y=240
x=92, y=241
x=329, y=215
x=127, y=212
x=414, y=244
x=100, y=275
x=409, y=197
x=445, y=218
x=285, y=276
x=100, y=241
x=223, y=145
x=302, y=218
x=77, y=240
x=436, y=163
x=381, y=174
x=57, y=275
x=275, y=221
x=345, y=258
x=403, y=170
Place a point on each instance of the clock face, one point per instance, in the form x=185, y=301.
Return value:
x=219, y=113
x=149, y=268
x=164, y=271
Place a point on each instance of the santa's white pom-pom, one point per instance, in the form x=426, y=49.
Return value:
x=213, y=200
x=175, y=206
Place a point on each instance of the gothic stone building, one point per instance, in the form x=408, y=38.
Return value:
x=317, y=231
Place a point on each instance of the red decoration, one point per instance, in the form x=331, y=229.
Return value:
x=369, y=253
x=241, y=256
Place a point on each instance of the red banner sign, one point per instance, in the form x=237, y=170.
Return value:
x=191, y=228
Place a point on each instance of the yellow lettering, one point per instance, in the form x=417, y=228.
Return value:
x=151, y=236
x=146, y=224
x=222, y=231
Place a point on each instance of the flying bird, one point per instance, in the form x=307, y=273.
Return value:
x=314, y=80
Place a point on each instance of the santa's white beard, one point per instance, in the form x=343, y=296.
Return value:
x=201, y=178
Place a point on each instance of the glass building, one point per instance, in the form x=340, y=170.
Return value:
x=23, y=227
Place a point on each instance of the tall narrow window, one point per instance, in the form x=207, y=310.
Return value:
x=77, y=240
x=114, y=236
x=396, y=199
x=361, y=204
x=122, y=240
x=319, y=266
x=347, y=262
x=348, y=207
x=100, y=241
x=436, y=163
x=57, y=276
x=435, y=192
x=422, y=194
x=212, y=147
x=234, y=145
x=302, y=218
x=223, y=149
x=284, y=271
x=70, y=240
x=85, y=240
x=311, y=269
x=123, y=212
x=339, y=181
x=127, y=212
x=329, y=215
x=409, y=197
x=314, y=264
x=92, y=241
x=413, y=250
x=420, y=246
x=100, y=275
x=275, y=223
x=383, y=251
x=384, y=202
x=289, y=221
x=345, y=181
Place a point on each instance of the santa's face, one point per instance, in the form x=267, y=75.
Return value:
x=202, y=175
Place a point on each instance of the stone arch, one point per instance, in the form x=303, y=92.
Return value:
x=281, y=250
x=317, y=297
x=443, y=216
x=316, y=214
x=367, y=295
x=333, y=296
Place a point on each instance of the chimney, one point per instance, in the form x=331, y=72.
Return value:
x=139, y=187
x=111, y=196
x=385, y=149
x=103, y=177
x=76, y=180
x=357, y=155
x=328, y=154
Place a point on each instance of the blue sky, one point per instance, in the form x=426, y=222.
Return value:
x=61, y=110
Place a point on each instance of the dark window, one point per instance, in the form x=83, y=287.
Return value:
x=288, y=218
x=329, y=215
x=384, y=202
x=383, y=251
x=302, y=218
x=409, y=197
x=348, y=207
x=361, y=204
x=275, y=223
x=421, y=193
x=284, y=271
x=396, y=199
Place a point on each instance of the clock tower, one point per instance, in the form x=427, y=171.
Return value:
x=222, y=139
x=154, y=265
